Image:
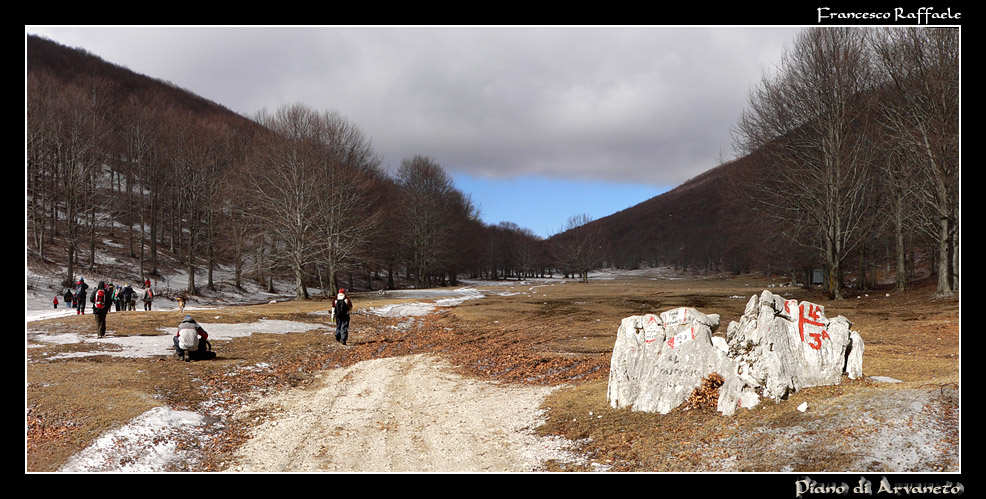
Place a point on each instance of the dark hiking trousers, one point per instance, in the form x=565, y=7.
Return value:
x=342, y=328
x=100, y=323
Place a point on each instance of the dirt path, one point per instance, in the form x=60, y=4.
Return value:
x=405, y=414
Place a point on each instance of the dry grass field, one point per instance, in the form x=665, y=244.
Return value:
x=545, y=332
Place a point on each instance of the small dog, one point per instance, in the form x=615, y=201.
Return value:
x=181, y=304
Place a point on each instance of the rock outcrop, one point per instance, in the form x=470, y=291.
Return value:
x=777, y=348
x=659, y=359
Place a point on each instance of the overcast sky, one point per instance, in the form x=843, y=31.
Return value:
x=535, y=123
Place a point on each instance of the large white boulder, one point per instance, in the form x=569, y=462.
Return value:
x=776, y=348
x=658, y=360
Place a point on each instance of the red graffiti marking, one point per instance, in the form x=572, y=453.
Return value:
x=682, y=337
x=812, y=318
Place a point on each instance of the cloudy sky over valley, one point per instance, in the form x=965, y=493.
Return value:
x=535, y=123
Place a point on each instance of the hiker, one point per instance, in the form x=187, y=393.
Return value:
x=192, y=342
x=181, y=303
x=56, y=301
x=100, y=307
x=80, y=296
x=340, y=309
x=128, y=297
x=148, y=298
x=69, y=297
x=118, y=298
x=111, y=296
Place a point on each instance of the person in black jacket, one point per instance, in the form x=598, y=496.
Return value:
x=80, y=296
x=129, y=297
x=340, y=308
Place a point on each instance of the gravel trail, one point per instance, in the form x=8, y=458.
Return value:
x=404, y=414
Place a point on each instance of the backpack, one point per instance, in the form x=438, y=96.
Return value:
x=341, y=308
x=204, y=353
x=99, y=298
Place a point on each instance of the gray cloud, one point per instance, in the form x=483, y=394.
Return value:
x=649, y=105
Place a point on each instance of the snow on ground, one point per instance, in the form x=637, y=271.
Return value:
x=150, y=346
x=144, y=444
x=140, y=446
x=449, y=298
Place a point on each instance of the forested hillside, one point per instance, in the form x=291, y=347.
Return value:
x=849, y=164
x=293, y=192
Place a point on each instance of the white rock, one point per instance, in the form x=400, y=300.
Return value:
x=777, y=348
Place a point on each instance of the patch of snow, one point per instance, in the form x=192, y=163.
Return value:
x=143, y=346
x=417, y=309
x=884, y=379
x=143, y=444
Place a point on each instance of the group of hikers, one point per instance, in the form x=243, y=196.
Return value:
x=103, y=299
x=119, y=297
x=192, y=341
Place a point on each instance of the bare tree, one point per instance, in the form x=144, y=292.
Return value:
x=307, y=182
x=922, y=67
x=810, y=122
x=284, y=188
x=41, y=158
x=433, y=216
x=349, y=210
x=579, y=247
x=62, y=146
x=138, y=135
x=423, y=186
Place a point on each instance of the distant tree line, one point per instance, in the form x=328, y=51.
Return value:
x=291, y=192
x=856, y=137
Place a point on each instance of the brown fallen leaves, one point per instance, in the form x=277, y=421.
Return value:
x=40, y=432
x=706, y=396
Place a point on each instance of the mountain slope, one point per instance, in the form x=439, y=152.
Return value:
x=697, y=224
x=72, y=65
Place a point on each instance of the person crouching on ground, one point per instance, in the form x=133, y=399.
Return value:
x=192, y=341
x=340, y=308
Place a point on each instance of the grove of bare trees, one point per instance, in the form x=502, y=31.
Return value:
x=294, y=192
x=856, y=136
x=850, y=162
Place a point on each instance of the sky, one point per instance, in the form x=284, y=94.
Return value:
x=536, y=124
